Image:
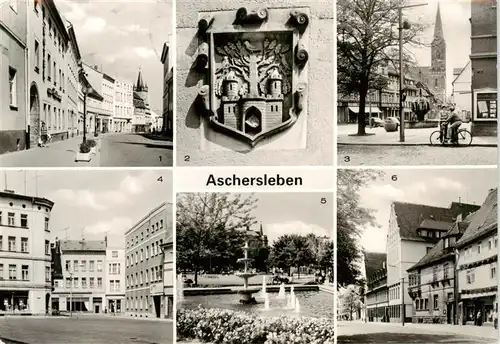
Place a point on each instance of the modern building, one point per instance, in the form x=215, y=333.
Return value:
x=13, y=73
x=105, y=122
x=168, y=276
x=484, y=67
x=25, y=255
x=145, y=264
x=168, y=91
x=115, y=279
x=432, y=282
x=461, y=93
x=142, y=113
x=478, y=263
x=376, y=298
x=414, y=229
x=84, y=276
x=124, y=106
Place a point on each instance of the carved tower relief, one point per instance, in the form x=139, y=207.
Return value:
x=256, y=65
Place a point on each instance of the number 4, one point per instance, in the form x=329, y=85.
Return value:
x=160, y=179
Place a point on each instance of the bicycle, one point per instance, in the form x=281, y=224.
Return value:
x=464, y=138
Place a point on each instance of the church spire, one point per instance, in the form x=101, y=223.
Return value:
x=438, y=26
x=140, y=82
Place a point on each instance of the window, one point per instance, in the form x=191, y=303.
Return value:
x=12, y=244
x=99, y=282
x=99, y=266
x=426, y=303
x=84, y=282
x=24, y=244
x=75, y=265
x=114, y=254
x=10, y=219
x=47, y=247
x=49, y=65
x=147, y=252
x=68, y=265
x=136, y=258
x=68, y=282
x=117, y=285
x=141, y=255
x=1, y=272
x=55, y=73
x=436, y=300
x=161, y=223
x=493, y=271
x=0, y=219
x=91, y=266
x=84, y=265
x=470, y=276
x=486, y=106
x=112, y=286
x=47, y=224
x=37, y=56
x=496, y=240
x=445, y=270
x=12, y=272
x=24, y=272
x=479, y=248
x=75, y=282
x=489, y=244
x=91, y=282
x=47, y=274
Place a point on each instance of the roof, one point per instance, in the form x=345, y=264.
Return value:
x=436, y=253
x=140, y=83
x=51, y=7
x=432, y=224
x=138, y=101
x=83, y=245
x=438, y=26
x=34, y=200
x=484, y=221
x=410, y=216
x=374, y=261
x=164, y=205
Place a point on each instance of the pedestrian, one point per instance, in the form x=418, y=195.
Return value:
x=43, y=134
x=479, y=319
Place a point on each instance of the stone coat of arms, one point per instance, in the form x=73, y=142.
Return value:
x=254, y=68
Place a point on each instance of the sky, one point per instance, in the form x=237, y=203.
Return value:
x=94, y=202
x=122, y=36
x=294, y=213
x=455, y=16
x=423, y=186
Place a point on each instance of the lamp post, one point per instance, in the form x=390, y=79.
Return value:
x=71, y=292
x=402, y=26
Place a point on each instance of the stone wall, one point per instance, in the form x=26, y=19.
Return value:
x=313, y=130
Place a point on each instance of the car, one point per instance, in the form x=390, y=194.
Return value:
x=376, y=122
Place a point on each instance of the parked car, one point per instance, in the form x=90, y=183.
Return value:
x=376, y=122
x=391, y=124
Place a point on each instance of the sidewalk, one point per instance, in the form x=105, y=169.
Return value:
x=413, y=137
x=56, y=154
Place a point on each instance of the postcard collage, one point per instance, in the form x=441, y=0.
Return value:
x=248, y=172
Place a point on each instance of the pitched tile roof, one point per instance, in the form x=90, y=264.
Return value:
x=410, y=216
x=436, y=253
x=484, y=221
x=374, y=261
x=432, y=224
x=83, y=245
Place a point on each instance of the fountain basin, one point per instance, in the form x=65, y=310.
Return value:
x=245, y=275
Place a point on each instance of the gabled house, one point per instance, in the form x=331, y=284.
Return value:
x=376, y=298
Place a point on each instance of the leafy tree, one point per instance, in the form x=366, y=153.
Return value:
x=350, y=301
x=351, y=218
x=367, y=41
x=292, y=251
x=322, y=251
x=207, y=228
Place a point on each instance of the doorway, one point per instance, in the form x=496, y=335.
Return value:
x=34, y=132
x=157, y=304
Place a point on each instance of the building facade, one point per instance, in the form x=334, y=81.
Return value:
x=25, y=256
x=75, y=96
x=124, y=107
x=461, y=93
x=142, y=112
x=144, y=264
x=105, y=122
x=484, y=67
x=477, y=265
x=168, y=92
x=13, y=73
x=115, y=279
x=82, y=288
x=94, y=101
x=168, y=276
x=376, y=293
x=414, y=229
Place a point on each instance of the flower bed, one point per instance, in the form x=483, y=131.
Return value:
x=230, y=327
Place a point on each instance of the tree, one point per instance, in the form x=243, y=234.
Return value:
x=350, y=301
x=367, y=41
x=322, y=250
x=351, y=218
x=291, y=251
x=207, y=228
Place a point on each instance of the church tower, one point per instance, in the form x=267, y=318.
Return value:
x=437, y=75
x=141, y=88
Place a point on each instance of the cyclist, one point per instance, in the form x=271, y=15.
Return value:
x=443, y=117
x=454, y=122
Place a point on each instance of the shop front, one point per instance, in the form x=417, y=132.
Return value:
x=478, y=309
x=484, y=112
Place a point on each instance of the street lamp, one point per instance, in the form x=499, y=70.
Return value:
x=86, y=90
x=71, y=289
x=402, y=26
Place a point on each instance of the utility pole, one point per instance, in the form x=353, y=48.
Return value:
x=403, y=308
x=71, y=295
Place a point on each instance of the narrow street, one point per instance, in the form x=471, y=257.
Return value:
x=119, y=150
x=359, y=332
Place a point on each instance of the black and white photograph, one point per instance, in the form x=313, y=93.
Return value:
x=255, y=268
x=416, y=82
x=254, y=83
x=86, y=83
x=102, y=246
x=417, y=255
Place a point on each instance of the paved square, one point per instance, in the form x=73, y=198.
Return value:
x=85, y=330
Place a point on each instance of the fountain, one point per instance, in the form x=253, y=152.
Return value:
x=281, y=294
x=246, y=292
x=266, y=302
x=297, y=306
x=263, y=291
x=180, y=288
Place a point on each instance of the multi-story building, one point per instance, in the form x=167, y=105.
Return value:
x=84, y=276
x=376, y=293
x=75, y=96
x=124, y=106
x=414, y=229
x=168, y=275
x=144, y=263
x=115, y=279
x=483, y=58
x=478, y=263
x=142, y=113
x=432, y=284
x=461, y=93
x=168, y=91
x=108, y=104
x=13, y=73
x=25, y=256
x=94, y=103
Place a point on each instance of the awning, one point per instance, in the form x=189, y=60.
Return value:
x=374, y=109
